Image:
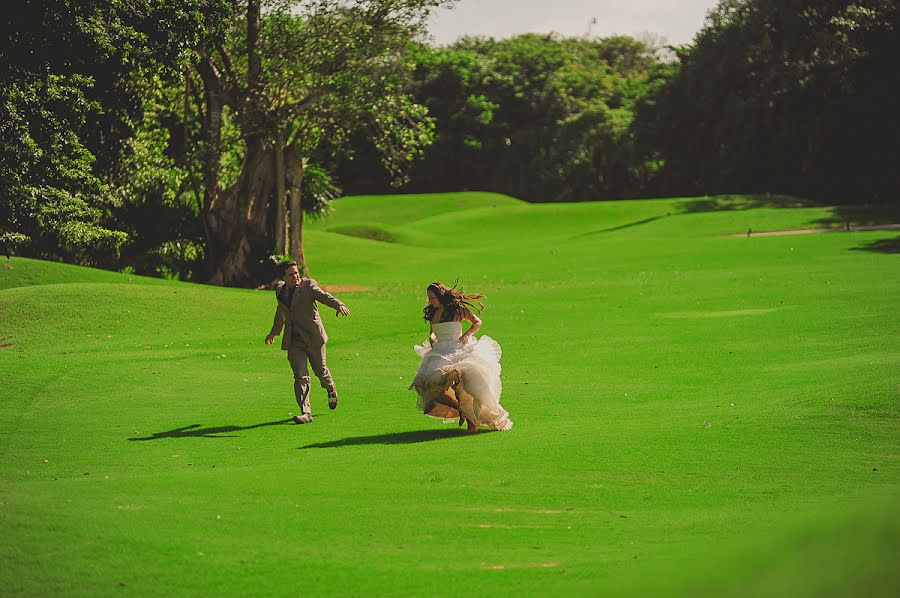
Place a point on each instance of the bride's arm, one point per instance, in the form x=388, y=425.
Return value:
x=431, y=337
x=475, y=327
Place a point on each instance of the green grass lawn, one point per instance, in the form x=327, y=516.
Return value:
x=695, y=414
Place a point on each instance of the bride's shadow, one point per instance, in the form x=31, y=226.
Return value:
x=411, y=437
x=195, y=431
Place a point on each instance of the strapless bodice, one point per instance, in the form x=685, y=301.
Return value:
x=447, y=331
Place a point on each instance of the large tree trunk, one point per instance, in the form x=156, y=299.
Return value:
x=254, y=61
x=295, y=175
x=235, y=218
x=239, y=221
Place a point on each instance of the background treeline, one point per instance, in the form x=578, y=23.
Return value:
x=776, y=96
x=187, y=138
x=539, y=117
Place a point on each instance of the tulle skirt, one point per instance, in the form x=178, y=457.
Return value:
x=469, y=373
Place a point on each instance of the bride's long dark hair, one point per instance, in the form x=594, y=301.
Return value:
x=456, y=304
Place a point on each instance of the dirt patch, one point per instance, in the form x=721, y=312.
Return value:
x=7, y=266
x=347, y=288
x=499, y=567
x=809, y=231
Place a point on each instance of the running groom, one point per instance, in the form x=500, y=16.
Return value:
x=304, y=335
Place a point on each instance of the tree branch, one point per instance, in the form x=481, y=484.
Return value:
x=226, y=64
x=198, y=101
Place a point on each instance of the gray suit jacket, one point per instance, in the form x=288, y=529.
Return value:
x=301, y=317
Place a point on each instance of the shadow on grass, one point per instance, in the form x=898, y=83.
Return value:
x=365, y=232
x=862, y=215
x=881, y=246
x=195, y=431
x=840, y=216
x=396, y=438
x=728, y=203
x=620, y=227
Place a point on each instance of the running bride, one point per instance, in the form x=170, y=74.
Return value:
x=459, y=376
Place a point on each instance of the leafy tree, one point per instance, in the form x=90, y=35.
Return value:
x=537, y=116
x=67, y=99
x=156, y=197
x=778, y=96
x=49, y=195
x=288, y=78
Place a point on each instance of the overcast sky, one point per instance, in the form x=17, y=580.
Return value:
x=676, y=20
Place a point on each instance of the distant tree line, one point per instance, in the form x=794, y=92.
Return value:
x=779, y=96
x=782, y=96
x=187, y=138
x=539, y=117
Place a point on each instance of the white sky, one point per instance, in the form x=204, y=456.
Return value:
x=676, y=20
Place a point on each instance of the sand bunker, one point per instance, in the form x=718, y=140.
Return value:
x=808, y=231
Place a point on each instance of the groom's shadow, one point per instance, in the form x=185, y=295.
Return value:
x=195, y=431
x=411, y=437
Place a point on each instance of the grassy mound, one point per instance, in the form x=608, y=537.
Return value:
x=694, y=414
x=21, y=272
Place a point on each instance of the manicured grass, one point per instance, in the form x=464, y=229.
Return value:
x=695, y=414
x=25, y=272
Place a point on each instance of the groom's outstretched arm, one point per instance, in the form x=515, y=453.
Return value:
x=323, y=297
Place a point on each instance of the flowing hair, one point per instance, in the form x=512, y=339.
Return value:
x=454, y=301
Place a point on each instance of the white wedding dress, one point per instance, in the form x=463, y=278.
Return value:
x=470, y=371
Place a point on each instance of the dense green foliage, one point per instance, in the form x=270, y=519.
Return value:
x=539, y=117
x=284, y=78
x=50, y=198
x=184, y=110
x=783, y=96
x=50, y=194
x=771, y=96
x=174, y=139
x=70, y=92
x=695, y=415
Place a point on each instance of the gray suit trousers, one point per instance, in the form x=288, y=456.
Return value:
x=298, y=355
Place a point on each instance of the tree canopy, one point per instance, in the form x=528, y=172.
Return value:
x=540, y=117
x=68, y=100
x=188, y=137
x=783, y=96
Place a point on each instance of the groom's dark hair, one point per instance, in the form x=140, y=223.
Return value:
x=283, y=267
